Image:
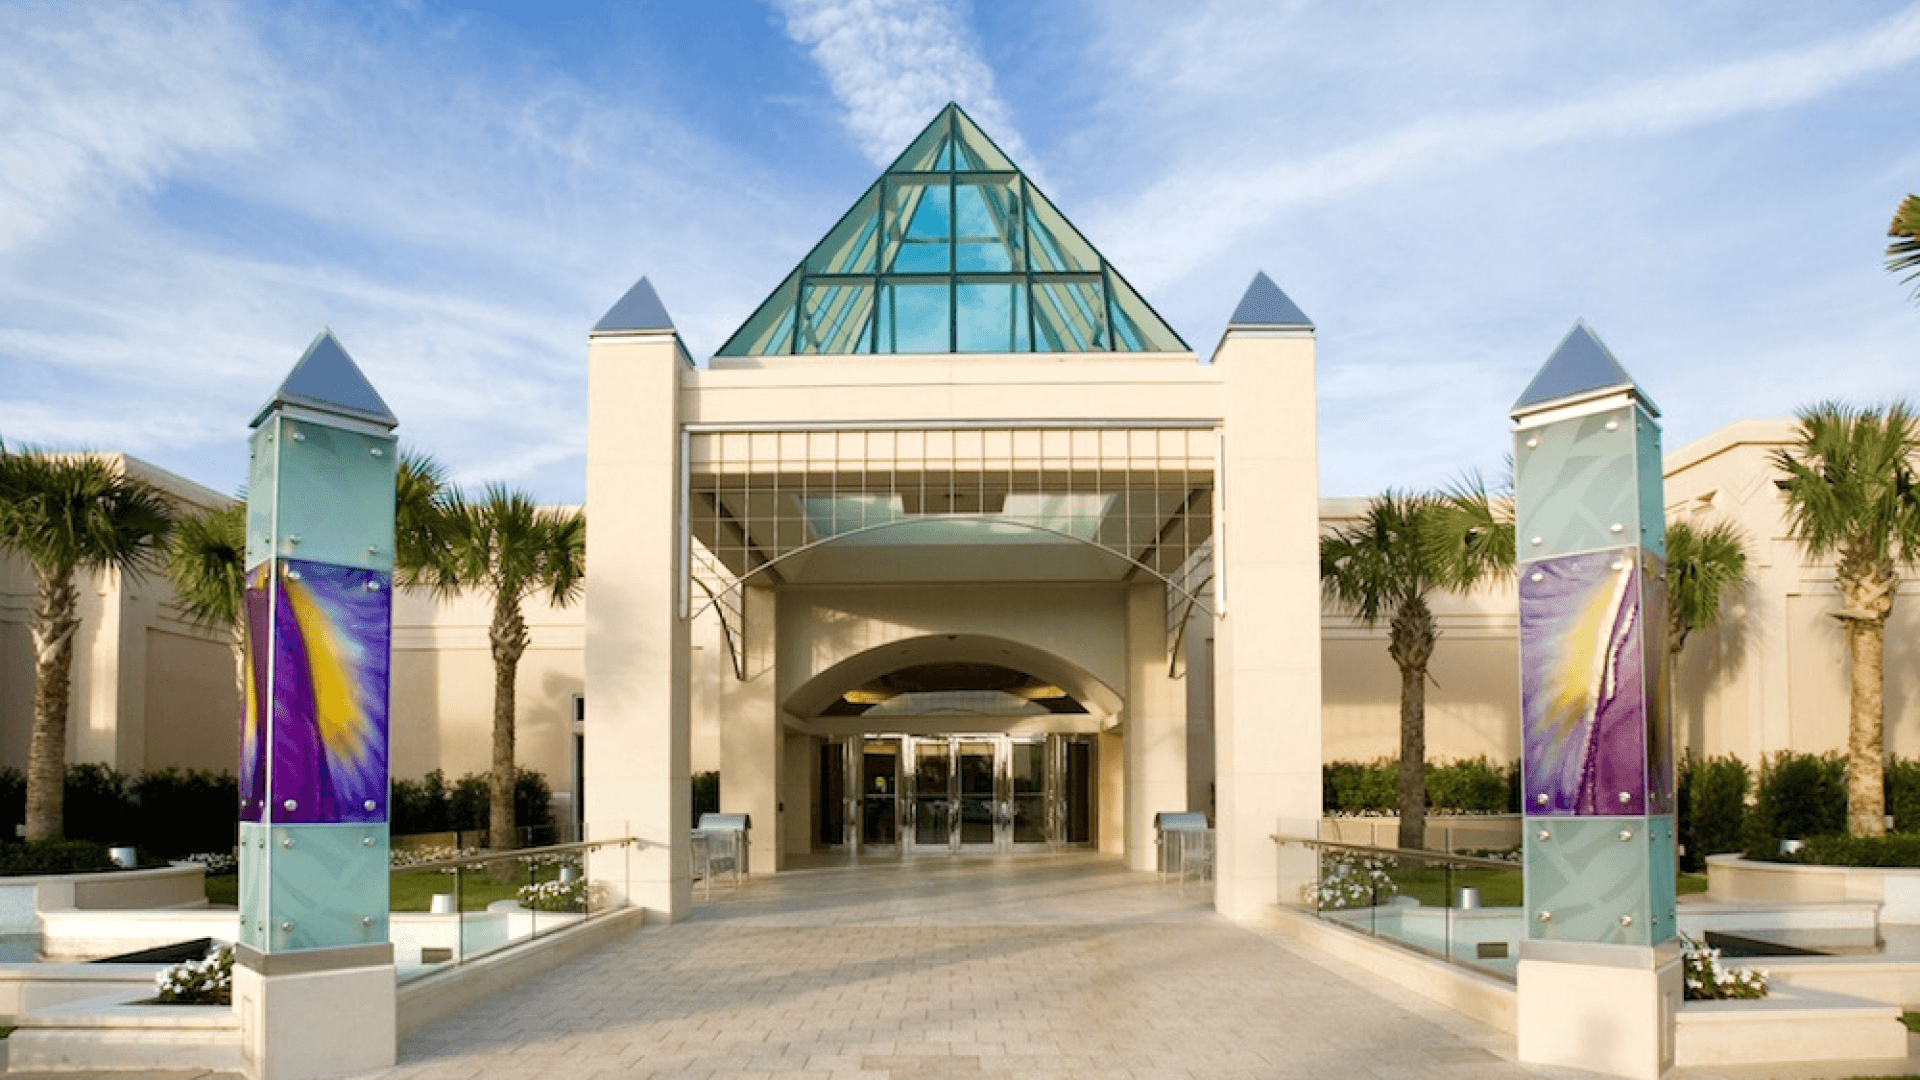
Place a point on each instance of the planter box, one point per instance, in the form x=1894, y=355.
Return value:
x=23, y=898
x=1895, y=889
x=117, y=1031
x=1790, y=1024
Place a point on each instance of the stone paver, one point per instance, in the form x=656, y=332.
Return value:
x=1030, y=967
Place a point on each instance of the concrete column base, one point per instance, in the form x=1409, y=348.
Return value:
x=316, y=1013
x=1605, y=1008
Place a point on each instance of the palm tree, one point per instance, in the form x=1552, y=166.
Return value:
x=207, y=561
x=1384, y=566
x=1703, y=565
x=1851, y=488
x=506, y=546
x=1904, y=253
x=64, y=514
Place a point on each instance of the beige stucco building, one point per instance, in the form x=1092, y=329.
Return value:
x=957, y=546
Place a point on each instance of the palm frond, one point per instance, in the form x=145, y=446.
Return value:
x=1467, y=536
x=1850, y=481
x=1705, y=564
x=1374, y=565
x=207, y=561
x=69, y=512
x=1903, y=255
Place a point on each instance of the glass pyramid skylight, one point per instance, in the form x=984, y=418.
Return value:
x=952, y=250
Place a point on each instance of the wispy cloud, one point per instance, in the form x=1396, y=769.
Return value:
x=97, y=100
x=893, y=63
x=1226, y=203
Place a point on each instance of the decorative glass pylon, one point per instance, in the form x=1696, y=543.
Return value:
x=952, y=250
x=1597, y=744
x=314, y=859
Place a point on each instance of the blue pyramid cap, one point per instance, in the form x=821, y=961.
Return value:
x=640, y=309
x=1580, y=366
x=1265, y=305
x=326, y=379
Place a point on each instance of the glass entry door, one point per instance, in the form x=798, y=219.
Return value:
x=933, y=794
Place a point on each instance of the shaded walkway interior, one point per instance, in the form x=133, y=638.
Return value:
x=1022, y=966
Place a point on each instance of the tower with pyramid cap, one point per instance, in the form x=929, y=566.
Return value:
x=1597, y=744
x=952, y=499
x=314, y=975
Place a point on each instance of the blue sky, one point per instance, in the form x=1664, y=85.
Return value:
x=190, y=191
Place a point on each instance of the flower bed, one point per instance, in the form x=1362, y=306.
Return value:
x=198, y=982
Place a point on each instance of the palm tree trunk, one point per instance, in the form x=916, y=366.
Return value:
x=509, y=639
x=1866, y=793
x=1410, y=641
x=55, y=618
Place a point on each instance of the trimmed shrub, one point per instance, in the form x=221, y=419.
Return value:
x=54, y=857
x=1903, y=794
x=98, y=806
x=706, y=794
x=420, y=806
x=185, y=811
x=1800, y=796
x=428, y=805
x=1350, y=787
x=1712, y=807
x=1894, y=849
x=1469, y=786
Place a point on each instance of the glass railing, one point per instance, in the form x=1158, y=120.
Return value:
x=451, y=905
x=1464, y=909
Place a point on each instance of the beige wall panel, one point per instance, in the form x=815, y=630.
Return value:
x=1155, y=734
x=193, y=712
x=1473, y=698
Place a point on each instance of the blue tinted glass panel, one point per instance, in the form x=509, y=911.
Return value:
x=769, y=332
x=919, y=226
x=1587, y=880
x=854, y=244
x=991, y=316
x=975, y=150
x=1135, y=327
x=986, y=216
x=1053, y=243
x=334, y=495
x=914, y=317
x=1069, y=316
x=928, y=151
x=836, y=319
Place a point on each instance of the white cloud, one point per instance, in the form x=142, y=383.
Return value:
x=99, y=99
x=892, y=64
x=1224, y=204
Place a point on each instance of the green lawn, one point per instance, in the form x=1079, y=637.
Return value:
x=414, y=891
x=1692, y=883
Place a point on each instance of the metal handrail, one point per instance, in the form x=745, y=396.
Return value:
x=1397, y=853
x=468, y=861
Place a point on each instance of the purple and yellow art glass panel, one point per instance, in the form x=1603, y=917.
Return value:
x=1583, y=666
x=327, y=707
x=253, y=743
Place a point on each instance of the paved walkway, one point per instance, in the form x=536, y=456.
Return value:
x=1030, y=967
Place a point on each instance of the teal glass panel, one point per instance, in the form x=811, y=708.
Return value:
x=973, y=149
x=1659, y=685
x=1653, y=484
x=928, y=152
x=253, y=884
x=1069, y=316
x=1588, y=880
x=770, y=331
x=986, y=215
x=919, y=226
x=952, y=206
x=1662, y=879
x=990, y=316
x=854, y=244
x=836, y=319
x=1575, y=485
x=915, y=317
x=1052, y=243
x=334, y=495
x=328, y=887
x=261, y=472
x=1135, y=326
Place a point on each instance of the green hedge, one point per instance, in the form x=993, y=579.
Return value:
x=166, y=814
x=429, y=805
x=1799, y=797
x=1893, y=849
x=1470, y=785
x=706, y=794
x=1712, y=807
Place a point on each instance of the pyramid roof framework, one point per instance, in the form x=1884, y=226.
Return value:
x=952, y=250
